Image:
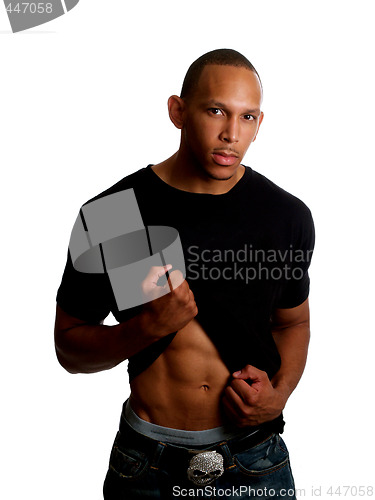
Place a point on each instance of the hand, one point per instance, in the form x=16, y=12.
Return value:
x=169, y=307
x=250, y=399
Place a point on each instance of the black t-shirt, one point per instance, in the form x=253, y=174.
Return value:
x=247, y=253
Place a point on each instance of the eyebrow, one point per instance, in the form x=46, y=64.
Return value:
x=218, y=104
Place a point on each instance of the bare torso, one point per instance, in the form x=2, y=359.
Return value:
x=182, y=389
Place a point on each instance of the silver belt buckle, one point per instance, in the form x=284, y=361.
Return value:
x=205, y=467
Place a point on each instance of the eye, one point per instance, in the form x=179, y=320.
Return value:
x=249, y=117
x=215, y=111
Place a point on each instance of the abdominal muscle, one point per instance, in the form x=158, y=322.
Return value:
x=182, y=389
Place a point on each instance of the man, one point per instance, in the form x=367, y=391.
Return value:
x=214, y=361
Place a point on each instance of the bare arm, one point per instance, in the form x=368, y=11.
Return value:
x=87, y=348
x=251, y=398
x=291, y=332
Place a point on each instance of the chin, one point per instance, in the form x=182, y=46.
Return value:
x=221, y=173
x=219, y=178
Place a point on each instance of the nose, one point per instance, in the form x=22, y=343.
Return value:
x=231, y=131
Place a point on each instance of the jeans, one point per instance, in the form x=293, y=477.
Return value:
x=143, y=468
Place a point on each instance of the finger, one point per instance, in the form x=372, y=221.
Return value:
x=192, y=303
x=155, y=273
x=240, y=418
x=244, y=391
x=163, y=270
x=191, y=300
x=235, y=403
x=231, y=401
x=191, y=296
x=150, y=288
x=226, y=402
x=250, y=372
x=175, y=279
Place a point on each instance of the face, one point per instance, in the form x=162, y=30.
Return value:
x=221, y=119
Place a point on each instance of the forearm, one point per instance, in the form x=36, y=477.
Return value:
x=252, y=398
x=263, y=400
x=91, y=348
x=292, y=344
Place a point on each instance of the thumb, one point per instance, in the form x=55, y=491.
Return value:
x=149, y=284
x=157, y=272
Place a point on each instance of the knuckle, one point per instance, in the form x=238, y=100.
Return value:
x=177, y=285
x=146, y=288
x=227, y=390
x=248, y=411
x=171, y=293
x=180, y=297
x=176, y=278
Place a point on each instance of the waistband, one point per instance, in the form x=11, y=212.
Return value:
x=179, y=436
x=175, y=458
x=172, y=454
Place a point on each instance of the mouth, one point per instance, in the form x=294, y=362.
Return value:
x=225, y=158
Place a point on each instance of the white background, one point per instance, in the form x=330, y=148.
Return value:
x=83, y=103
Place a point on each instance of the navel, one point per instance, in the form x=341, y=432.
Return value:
x=205, y=387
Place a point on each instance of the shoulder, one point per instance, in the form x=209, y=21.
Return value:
x=134, y=180
x=275, y=198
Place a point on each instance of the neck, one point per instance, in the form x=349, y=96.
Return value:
x=180, y=173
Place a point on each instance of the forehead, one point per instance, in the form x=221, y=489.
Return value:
x=228, y=83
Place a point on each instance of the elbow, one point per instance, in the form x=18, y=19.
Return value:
x=64, y=361
x=74, y=362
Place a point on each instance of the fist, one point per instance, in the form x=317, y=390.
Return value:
x=250, y=399
x=168, y=307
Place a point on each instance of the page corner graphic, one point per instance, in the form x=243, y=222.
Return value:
x=25, y=15
x=70, y=4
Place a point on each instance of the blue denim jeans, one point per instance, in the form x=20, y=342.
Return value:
x=156, y=470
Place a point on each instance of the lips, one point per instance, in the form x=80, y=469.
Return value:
x=224, y=158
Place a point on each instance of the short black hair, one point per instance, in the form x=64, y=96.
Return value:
x=221, y=57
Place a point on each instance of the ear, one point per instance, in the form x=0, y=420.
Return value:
x=261, y=116
x=176, y=108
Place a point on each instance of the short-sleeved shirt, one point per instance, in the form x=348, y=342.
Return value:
x=247, y=253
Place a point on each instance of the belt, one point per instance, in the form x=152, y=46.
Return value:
x=174, y=456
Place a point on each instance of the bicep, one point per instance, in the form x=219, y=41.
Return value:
x=286, y=318
x=65, y=322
